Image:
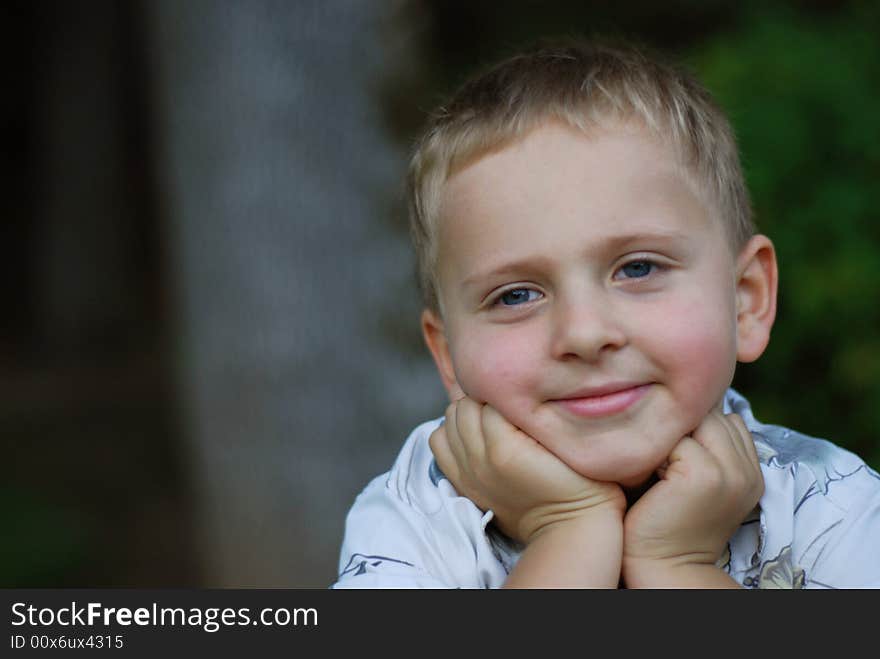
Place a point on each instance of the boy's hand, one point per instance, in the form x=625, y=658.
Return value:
x=680, y=526
x=500, y=468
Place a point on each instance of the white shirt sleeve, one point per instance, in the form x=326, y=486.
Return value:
x=387, y=544
x=409, y=530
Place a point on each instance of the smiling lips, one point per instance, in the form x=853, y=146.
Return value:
x=604, y=402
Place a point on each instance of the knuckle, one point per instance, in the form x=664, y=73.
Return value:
x=450, y=411
x=437, y=438
x=488, y=420
x=711, y=477
x=496, y=453
x=480, y=474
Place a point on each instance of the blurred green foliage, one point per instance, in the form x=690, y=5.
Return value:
x=802, y=93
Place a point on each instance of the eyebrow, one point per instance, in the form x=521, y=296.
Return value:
x=612, y=243
x=524, y=265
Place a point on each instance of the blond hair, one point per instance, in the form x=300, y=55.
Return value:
x=585, y=85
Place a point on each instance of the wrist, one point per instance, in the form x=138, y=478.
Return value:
x=559, y=520
x=577, y=552
x=677, y=572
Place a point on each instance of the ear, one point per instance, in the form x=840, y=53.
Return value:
x=435, y=337
x=756, y=284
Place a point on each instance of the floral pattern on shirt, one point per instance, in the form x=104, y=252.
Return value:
x=780, y=572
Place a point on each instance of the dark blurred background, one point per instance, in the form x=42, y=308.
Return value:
x=210, y=325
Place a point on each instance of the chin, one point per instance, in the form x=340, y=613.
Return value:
x=623, y=472
x=639, y=482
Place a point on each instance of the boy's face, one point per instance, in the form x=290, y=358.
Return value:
x=588, y=296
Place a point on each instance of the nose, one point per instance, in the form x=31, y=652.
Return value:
x=586, y=327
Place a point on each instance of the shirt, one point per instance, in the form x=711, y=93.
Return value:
x=817, y=525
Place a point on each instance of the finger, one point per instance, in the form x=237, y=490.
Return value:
x=747, y=441
x=740, y=439
x=735, y=434
x=452, y=435
x=754, y=465
x=746, y=472
x=439, y=443
x=501, y=437
x=717, y=436
x=687, y=457
x=468, y=422
x=456, y=392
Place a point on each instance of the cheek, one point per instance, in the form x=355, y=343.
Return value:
x=500, y=368
x=697, y=348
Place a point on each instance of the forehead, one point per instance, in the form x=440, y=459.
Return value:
x=612, y=180
x=625, y=151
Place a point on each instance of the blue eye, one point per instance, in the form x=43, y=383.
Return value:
x=637, y=269
x=517, y=296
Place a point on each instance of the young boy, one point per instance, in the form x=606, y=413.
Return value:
x=591, y=277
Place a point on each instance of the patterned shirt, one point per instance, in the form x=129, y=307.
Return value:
x=817, y=524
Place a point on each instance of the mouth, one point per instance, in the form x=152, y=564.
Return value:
x=603, y=401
